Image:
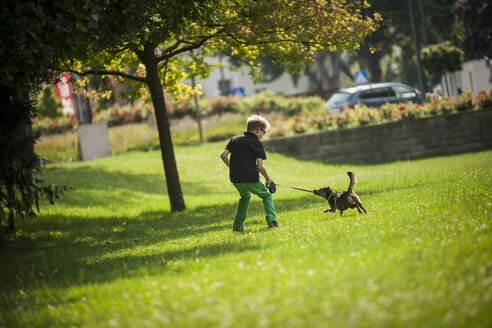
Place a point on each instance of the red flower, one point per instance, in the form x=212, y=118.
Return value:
x=72, y=116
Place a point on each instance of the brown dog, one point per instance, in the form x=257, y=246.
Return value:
x=341, y=200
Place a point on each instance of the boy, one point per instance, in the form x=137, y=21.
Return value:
x=247, y=155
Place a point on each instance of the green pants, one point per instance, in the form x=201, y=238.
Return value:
x=245, y=190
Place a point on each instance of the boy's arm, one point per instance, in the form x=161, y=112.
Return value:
x=224, y=155
x=263, y=171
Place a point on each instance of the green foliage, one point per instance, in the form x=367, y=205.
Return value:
x=465, y=101
x=49, y=106
x=483, y=100
x=118, y=115
x=20, y=184
x=46, y=126
x=262, y=103
x=34, y=38
x=473, y=17
x=244, y=29
x=366, y=115
x=442, y=58
x=110, y=253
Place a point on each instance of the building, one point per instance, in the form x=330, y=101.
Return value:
x=476, y=76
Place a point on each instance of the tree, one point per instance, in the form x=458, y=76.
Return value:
x=48, y=103
x=435, y=16
x=442, y=58
x=26, y=53
x=155, y=36
x=474, y=15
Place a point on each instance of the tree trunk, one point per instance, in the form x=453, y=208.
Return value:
x=329, y=81
x=3, y=238
x=198, y=116
x=372, y=62
x=167, y=150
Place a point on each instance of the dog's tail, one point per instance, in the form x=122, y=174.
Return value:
x=353, y=180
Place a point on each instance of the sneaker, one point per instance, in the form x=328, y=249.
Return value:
x=273, y=224
x=236, y=230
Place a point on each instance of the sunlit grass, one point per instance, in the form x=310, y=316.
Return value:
x=110, y=253
x=63, y=147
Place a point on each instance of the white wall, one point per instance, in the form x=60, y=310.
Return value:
x=474, y=76
x=282, y=85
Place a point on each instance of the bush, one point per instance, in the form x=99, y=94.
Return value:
x=366, y=115
x=119, y=115
x=483, y=100
x=389, y=112
x=48, y=103
x=48, y=126
x=261, y=103
x=363, y=115
x=412, y=111
x=464, y=101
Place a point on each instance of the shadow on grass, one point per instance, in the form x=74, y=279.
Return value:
x=60, y=251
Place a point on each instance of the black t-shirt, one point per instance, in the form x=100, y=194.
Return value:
x=245, y=149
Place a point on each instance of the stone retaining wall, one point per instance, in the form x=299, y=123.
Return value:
x=440, y=135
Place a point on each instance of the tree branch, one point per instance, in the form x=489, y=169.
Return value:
x=115, y=73
x=168, y=54
x=240, y=59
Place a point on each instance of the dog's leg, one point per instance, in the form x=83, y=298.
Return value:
x=354, y=205
x=341, y=213
x=358, y=203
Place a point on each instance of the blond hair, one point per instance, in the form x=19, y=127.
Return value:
x=257, y=122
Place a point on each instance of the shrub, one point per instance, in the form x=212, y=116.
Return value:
x=48, y=103
x=261, y=103
x=389, y=112
x=464, y=101
x=180, y=109
x=483, y=100
x=347, y=119
x=412, y=111
x=118, y=115
x=48, y=126
x=366, y=115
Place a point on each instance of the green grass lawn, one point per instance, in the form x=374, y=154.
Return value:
x=110, y=253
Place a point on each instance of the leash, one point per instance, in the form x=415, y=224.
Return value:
x=296, y=188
